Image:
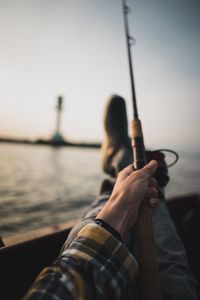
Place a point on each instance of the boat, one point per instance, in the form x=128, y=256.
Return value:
x=22, y=257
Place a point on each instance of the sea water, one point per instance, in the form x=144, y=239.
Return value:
x=43, y=185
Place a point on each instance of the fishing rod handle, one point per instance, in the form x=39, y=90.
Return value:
x=139, y=157
x=149, y=277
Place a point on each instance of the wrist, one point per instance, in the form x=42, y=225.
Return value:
x=109, y=228
x=117, y=218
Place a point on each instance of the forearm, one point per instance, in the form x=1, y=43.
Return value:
x=95, y=263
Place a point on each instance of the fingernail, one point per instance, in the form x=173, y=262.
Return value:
x=153, y=202
x=153, y=162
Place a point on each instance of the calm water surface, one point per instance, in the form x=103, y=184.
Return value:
x=41, y=185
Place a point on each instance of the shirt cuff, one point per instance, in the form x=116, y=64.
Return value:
x=106, y=226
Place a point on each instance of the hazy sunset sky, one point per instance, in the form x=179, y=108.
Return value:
x=77, y=49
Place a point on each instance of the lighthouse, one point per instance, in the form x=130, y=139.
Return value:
x=57, y=138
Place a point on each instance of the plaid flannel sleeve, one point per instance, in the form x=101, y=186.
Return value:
x=95, y=266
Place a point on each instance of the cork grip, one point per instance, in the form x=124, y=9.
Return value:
x=136, y=128
x=139, y=156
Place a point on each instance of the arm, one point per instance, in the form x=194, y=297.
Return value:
x=97, y=265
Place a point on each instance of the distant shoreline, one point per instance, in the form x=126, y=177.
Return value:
x=50, y=143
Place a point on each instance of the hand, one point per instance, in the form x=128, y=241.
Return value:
x=130, y=190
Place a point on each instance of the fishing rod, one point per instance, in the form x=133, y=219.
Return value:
x=138, y=141
x=149, y=279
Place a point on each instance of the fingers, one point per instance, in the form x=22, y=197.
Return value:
x=147, y=171
x=126, y=171
x=145, y=174
x=153, y=202
x=152, y=182
x=150, y=168
x=152, y=192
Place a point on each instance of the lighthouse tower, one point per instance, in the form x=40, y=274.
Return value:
x=57, y=138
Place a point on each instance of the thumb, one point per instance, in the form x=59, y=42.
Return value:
x=150, y=168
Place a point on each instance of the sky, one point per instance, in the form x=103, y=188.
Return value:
x=77, y=49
